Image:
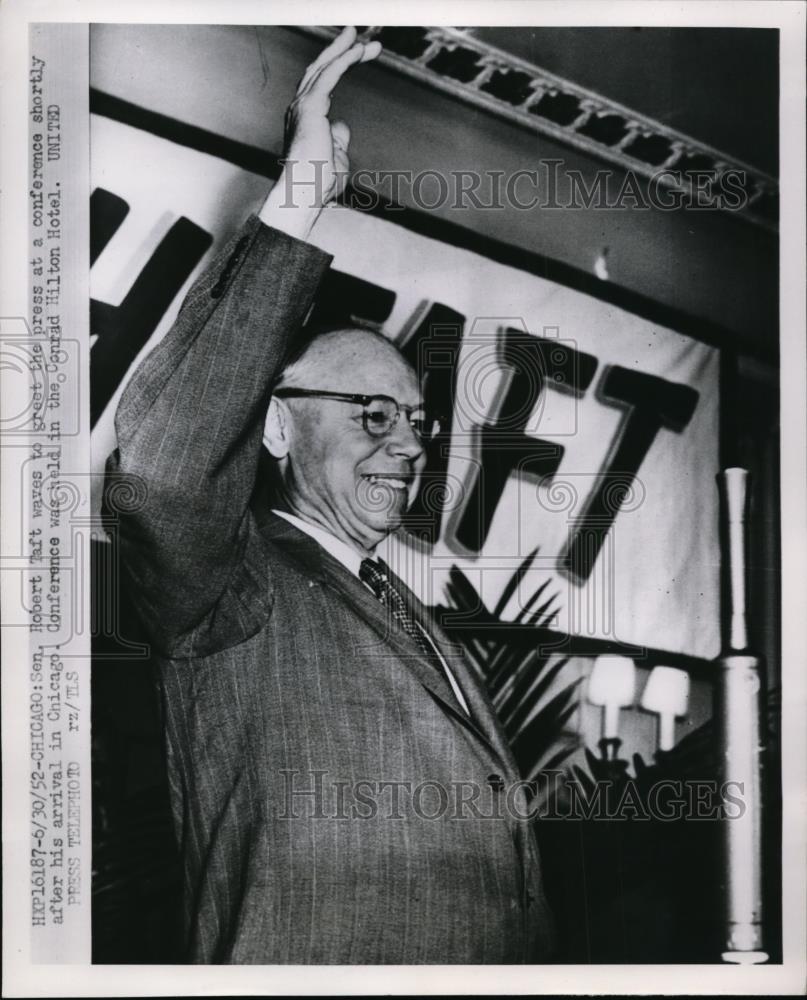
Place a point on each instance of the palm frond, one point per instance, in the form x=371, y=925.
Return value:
x=523, y=612
x=541, y=733
x=513, y=582
x=516, y=711
x=543, y=617
x=517, y=664
x=563, y=754
x=462, y=593
x=515, y=672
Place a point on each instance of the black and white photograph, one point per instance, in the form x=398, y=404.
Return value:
x=408, y=562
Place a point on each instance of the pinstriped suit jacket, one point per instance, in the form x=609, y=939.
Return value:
x=332, y=801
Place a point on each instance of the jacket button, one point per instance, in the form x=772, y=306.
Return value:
x=235, y=256
x=496, y=782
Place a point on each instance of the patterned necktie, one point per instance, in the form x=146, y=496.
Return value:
x=372, y=573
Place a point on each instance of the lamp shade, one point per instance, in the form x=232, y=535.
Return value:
x=612, y=685
x=667, y=694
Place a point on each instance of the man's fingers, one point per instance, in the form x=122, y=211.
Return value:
x=340, y=131
x=340, y=44
x=371, y=50
x=328, y=77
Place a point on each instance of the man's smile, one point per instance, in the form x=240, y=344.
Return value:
x=398, y=481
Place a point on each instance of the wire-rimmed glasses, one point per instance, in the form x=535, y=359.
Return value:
x=380, y=413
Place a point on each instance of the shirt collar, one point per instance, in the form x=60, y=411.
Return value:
x=341, y=551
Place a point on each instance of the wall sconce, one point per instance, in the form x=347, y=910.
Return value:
x=667, y=694
x=612, y=685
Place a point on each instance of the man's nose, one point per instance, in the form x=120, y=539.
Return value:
x=403, y=441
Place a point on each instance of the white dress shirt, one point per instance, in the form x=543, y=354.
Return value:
x=352, y=561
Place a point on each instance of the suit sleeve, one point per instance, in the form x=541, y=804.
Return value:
x=189, y=428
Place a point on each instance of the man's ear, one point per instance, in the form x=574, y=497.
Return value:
x=277, y=429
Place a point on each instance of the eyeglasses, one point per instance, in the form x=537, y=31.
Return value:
x=379, y=413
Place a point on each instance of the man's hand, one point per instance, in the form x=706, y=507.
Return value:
x=315, y=159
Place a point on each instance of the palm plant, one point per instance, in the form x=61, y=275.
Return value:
x=622, y=891
x=516, y=663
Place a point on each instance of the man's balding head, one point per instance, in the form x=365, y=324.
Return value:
x=350, y=352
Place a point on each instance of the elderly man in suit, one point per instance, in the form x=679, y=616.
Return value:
x=340, y=785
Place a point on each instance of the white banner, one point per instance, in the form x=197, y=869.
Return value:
x=580, y=430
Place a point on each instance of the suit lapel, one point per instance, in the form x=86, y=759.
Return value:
x=306, y=553
x=303, y=551
x=482, y=711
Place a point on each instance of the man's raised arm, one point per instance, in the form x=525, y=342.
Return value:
x=190, y=421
